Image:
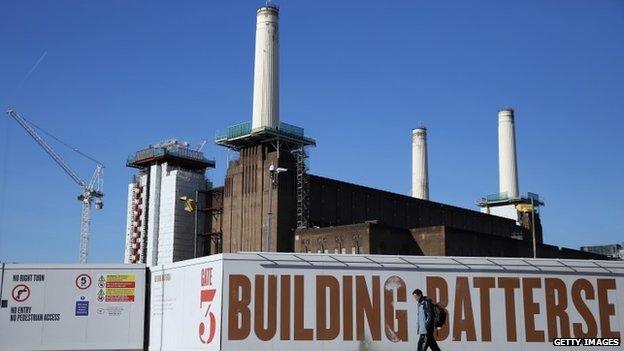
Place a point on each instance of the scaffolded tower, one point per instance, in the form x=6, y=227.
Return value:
x=159, y=230
x=264, y=144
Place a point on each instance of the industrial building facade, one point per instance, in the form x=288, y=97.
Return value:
x=270, y=203
x=352, y=219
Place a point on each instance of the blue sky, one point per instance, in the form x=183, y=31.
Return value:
x=358, y=75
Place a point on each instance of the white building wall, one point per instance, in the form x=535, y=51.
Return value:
x=168, y=199
x=176, y=227
x=153, y=215
x=167, y=230
x=506, y=211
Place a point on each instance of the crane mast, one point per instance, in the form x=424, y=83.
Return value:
x=91, y=193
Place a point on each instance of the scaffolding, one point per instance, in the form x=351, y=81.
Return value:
x=302, y=186
x=286, y=136
x=215, y=210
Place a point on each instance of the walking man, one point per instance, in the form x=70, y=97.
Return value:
x=425, y=322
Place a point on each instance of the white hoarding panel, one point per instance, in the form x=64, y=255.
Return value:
x=185, y=308
x=72, y=307
x=346, y=302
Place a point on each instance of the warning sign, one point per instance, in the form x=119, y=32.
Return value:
x=20, y=293
x=83, y=281
x=116, y=288
x=101, y=295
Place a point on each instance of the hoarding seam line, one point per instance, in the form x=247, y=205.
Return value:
x=407, y=269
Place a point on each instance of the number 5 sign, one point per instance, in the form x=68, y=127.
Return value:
x=83, y=281
x=207, y=296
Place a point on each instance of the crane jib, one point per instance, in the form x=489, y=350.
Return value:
x=91, y=193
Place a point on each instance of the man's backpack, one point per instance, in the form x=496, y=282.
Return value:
x=439, y=315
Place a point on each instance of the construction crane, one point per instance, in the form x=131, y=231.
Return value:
x=91, y=193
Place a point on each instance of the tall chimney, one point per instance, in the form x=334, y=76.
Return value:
x=266, y=69
x=507, y=166
x=420, y=171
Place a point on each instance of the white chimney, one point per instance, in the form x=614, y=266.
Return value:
x=266, y=69
x=420, y=171
x=507, y=166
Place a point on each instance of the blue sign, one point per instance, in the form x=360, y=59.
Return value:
x=82, y=308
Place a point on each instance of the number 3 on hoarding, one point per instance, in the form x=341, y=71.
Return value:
x=207, y=296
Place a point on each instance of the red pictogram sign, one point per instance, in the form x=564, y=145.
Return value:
x=20, y=293
x=83, y=281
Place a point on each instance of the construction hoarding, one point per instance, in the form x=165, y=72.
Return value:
x=185, y=307
x=263, y=301
x=72, y=307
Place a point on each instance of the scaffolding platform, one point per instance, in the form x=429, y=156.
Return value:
x=502, y=199
x=290, y=137
x=286, y=137
x=188, y=158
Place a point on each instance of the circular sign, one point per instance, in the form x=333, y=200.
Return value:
x=83, y=281
x=20, y=293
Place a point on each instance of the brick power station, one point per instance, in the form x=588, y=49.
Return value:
x=270, y=202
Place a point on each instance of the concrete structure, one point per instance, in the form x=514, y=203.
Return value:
x=159, y=230
x=508, y=202
x=266, y=69
x=261, y=208
x=614, y=251
x=507, y=165
x=420, y=167
x=506, y=210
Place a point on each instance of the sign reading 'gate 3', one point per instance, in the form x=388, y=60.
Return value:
x=338, y=302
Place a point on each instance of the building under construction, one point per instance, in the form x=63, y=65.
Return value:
x=159, y=229
x=270, y=202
